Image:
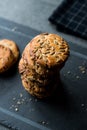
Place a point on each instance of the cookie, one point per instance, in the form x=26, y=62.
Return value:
x=8, y=54
x=12, y=46
x=39, y=91
x=48, y=50
x=41, y=70
x=6, y=58
x=30, y=74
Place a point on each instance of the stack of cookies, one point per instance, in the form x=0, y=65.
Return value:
x=41, y=62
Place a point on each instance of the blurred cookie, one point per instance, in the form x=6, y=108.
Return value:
x=46, y=51
x=6, y=58
x=12, y=46
x=8, y=54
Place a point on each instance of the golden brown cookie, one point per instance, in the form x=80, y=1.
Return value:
x=12, y=46
x=8, y=54
x=39, y=91
x=44, y=71
x=30, y=74
x=46, y=51
x=6, y=58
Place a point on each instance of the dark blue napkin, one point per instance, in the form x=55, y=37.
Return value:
x=71, y=17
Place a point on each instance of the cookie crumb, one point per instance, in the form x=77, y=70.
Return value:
x=14, y=98
x=14, y=29
x=77, y=77
x=30, y=99
x=86, y=109
x=18, y=102
x=82, y=69
x=35, y=100
x=43, y=122
x=82, y=105
x=68, y=72
x=21, y=95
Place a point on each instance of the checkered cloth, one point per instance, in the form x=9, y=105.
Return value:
x=71, y=16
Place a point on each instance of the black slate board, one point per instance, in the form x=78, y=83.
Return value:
x=65, y=110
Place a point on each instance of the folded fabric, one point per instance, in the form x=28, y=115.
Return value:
x=71, y=16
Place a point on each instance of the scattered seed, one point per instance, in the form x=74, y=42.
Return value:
x=21, y=95
x=35, y=100
x=16, y=109
x=68, y=72
x=77, y=77
x=30, y=99
x=83, y=72
x=31, y=110
x=18, y=102
x=23, y=100
x=82, y=69
x=14, y=99
x=86, y=109
x=82, y=105
x=12, y=106
x=13, y=29
x=44, y=122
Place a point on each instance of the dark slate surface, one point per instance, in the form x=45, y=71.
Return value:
x=66, y=109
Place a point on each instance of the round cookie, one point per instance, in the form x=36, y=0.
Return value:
x=30, y=74
x=12, y=46
x=8, y=54
x=44, y=71
x=6, y=58
x=46, y=51
x=38, y=91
